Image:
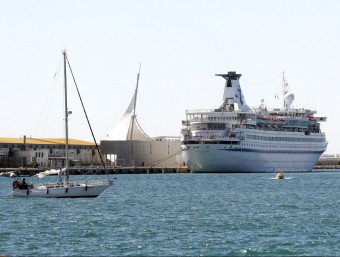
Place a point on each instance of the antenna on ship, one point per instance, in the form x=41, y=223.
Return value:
x=284, y=89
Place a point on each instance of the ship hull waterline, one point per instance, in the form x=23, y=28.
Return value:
x=214, y=159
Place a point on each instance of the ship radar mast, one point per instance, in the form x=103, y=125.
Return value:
x=285, y=86
x=288, y=97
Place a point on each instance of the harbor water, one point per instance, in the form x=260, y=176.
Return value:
x=180, y=215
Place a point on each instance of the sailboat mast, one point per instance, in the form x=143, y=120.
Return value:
x=66, y=174
x=134, y=105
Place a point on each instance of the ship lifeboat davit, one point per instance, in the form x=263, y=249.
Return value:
x=280, y=175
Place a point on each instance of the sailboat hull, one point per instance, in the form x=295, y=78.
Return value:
x=75, y=190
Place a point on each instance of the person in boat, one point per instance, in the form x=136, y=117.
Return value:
x=23, y=184
x=16, y=184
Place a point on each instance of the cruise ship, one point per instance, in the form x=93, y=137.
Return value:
x=237, y=138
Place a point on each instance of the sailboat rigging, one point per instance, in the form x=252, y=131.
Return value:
x=65, y=188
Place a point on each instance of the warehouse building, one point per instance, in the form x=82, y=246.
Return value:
x=45, y=152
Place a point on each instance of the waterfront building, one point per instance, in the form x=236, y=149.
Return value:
x=45, y=152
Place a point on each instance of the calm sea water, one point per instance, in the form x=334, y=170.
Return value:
x=181, y=215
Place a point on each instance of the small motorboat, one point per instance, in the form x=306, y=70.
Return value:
x=280, y=175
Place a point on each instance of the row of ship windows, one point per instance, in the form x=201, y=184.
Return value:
x=283, y=146
x=289, y=139
x=202, y=117
x=221, y=118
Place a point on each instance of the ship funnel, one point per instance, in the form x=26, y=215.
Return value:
x=233, y=98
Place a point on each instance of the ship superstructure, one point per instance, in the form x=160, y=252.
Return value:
x=237, y=138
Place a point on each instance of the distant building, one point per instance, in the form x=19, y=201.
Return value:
x=45, y=152
x=128, y=145
x=328, y=160
x=142, y=153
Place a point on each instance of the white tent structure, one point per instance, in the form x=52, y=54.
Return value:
x=128, y=145
x=128, y=129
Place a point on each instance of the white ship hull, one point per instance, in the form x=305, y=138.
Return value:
x=217, y=159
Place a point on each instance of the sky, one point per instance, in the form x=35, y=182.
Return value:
x=181, y=45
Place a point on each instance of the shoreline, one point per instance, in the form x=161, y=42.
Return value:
x=6, y=172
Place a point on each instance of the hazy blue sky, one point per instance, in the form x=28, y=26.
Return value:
x=181, y=45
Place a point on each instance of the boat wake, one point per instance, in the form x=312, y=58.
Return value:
x=281, y=178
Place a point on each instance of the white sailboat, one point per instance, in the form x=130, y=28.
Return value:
x=64, y=188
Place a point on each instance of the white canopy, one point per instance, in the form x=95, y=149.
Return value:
x=128, y=128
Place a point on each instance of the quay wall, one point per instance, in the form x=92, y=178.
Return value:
x=98, y=170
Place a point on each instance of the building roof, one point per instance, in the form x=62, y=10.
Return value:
x=44, y=141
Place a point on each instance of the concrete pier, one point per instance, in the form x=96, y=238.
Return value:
x=98, y=170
